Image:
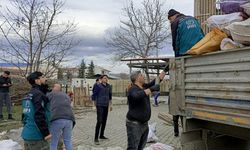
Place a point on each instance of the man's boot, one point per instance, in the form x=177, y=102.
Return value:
x=10, y=117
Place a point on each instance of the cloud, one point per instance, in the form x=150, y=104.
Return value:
x=94, y=17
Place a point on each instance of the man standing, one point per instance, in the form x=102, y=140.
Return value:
x=186, y=32
x=35, y=115
x=62, y=117
x=102, y=96
x=139, y=111
x=5, y=84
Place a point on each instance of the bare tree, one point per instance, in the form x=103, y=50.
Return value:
x=143, y=31
x=33, y=35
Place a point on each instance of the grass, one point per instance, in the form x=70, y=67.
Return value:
x=6, y=125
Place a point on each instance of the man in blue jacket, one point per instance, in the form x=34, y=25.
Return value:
x=102, y=96
x=186, y=32
x=35, y=115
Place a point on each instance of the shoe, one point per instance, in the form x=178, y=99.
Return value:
x=103, y=138
x=96, y=142
x=176, y=134
x=10, y=117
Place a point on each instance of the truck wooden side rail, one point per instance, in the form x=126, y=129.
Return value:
x=212, y=92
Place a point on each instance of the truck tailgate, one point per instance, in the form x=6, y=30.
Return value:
x=213, y=87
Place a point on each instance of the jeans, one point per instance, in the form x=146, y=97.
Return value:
x=156, y=97
x=61, y=127
x=36, y=145
x=137, y=135
x=5, y=98
x=102, y=115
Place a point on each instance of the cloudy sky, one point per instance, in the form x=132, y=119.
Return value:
x=94, y=17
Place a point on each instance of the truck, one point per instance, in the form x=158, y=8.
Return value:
x=212, y=93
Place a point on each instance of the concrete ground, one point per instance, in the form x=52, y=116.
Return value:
x=83, y=133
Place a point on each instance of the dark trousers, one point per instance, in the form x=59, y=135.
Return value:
x=137, y=135
x=102, y=115
x=176, y=125
x=5, y=98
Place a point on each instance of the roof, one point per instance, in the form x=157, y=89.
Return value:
x=101, y=68
x=149, y=58
x=13, y=64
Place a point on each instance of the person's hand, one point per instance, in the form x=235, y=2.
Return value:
x=47, y=137
x=162, y=75
x=5, y=85
x=155, y=87
x=147, y=91
x=93, y=108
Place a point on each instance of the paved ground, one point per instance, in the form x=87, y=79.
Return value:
x=83, y=134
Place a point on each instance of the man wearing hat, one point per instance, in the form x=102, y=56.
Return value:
x=5, y=84
x=186, y=32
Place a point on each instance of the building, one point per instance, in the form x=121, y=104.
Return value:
x=204, y=9
x=100, y=71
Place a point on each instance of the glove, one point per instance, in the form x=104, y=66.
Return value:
x=166, y=69
x=156, y=87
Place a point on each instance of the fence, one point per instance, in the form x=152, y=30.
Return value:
x=119, y=87
x=82, y=95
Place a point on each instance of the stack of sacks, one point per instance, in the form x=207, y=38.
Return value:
x=231, y=6
x=221, y=21
x=227, y=44
x=240, y=31
x=210, y=43
x=246, y=8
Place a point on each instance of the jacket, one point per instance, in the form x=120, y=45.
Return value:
x=36, y=115
x=139, y=103
x=4, y=80
x=60, y=106
x=186, y=32
x=102, y=94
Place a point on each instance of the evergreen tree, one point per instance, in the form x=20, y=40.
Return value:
x=91, y=71
x=60, y=74
x=82, y=69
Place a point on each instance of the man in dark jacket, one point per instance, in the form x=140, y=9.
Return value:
x=102, y=96
x=62, y=117
x=5, y=84
x=139, y=111
x=35, y=115
x=186, y=32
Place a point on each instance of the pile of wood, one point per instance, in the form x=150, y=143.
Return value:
x=167, y=118
x=82, y=97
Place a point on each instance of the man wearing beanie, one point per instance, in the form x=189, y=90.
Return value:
x=186, y=32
